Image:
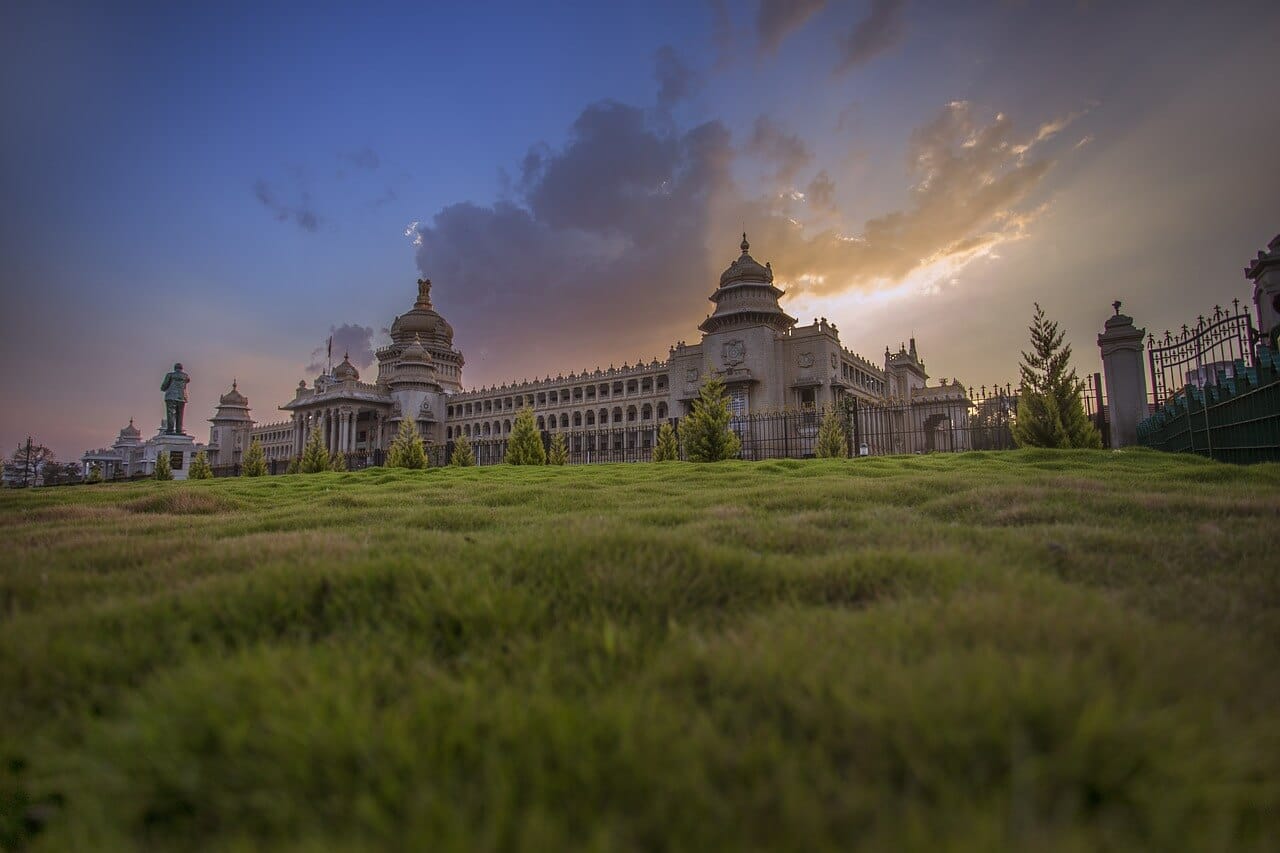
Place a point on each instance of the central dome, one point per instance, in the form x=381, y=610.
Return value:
x=422, y=321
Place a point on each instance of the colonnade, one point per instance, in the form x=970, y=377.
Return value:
x=338, y=425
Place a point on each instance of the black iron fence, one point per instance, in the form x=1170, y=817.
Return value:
x=1215, y=389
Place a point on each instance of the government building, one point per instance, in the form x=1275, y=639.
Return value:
x=767, y=361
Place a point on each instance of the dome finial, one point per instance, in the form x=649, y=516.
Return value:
x=233, y=383
x=424, y=291
x=745, y=245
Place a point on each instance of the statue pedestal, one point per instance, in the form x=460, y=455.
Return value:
x=180, y=448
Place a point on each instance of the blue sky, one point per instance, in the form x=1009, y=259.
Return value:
x=221, y=185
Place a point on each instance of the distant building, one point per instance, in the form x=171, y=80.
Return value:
x=767, y=361
x=128, y=456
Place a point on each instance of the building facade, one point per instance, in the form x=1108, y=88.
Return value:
x=767, y=361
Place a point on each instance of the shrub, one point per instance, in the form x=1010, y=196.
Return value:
x=833, y=441
x=668, y=448
x=462, y=457
x=255, y=461
x=705, y=432
x=293, y=467
x=95, y=473
x=163, y=471
x=1050, y=412
x=559, y=452
x=200, y=469
x=525, y=446
x=406, y=449
x=314, y=457
x=338, y=462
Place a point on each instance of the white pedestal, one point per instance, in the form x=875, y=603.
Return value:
x=181, y=450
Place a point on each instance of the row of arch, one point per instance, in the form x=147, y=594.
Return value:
x=642, y=385
x=578, y=420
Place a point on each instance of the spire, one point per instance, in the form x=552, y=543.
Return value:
x=233, y=383
x=424, y=292
x=744, y=245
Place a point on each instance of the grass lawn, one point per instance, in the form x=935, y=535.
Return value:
x=1041, y=650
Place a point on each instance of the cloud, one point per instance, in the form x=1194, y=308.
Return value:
x=300, y=214
x=362, y=158
x=881, y=30
x=777, y=18
x=786, y=152
x=349, y=339
x=610, y=244
x=676, y=79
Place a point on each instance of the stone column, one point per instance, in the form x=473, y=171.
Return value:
x=1264, y=272
x=1126, y=376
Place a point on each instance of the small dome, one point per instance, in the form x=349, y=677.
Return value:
x=746, y=268
x=131, y=431
x=415, y=353
x=346, y=371
x=422, y=320
x=233, y=397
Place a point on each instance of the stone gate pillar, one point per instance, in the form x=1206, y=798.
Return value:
x=1126, y=376
x=1264, y=272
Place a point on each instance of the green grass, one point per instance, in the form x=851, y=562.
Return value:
x=1035, y=650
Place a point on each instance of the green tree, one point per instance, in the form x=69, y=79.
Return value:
x=294, y=466
x=406, y=449
x=668, y=448
x=314, y=456
x=833, y=442
x=95, y=473
x=559, y=452
x=163, y=469
x=338, y=462
x=705, y=432
x=1050, y=411
x=200, y=469
x=255, y=461
x=525, y=445
x=462, y=457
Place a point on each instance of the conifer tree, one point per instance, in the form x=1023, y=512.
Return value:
x=255, y=461
x=406, y=449
x=559, y=452
x=462, y=457
x=163, y=469
x=705, y=432
x=1050, y=411
x=338, y=461
x=200, y=469
x=293, y=467
x=667, y=449
x=315, y=458
x=525, y=445
x=95, y=473
x=833, y=443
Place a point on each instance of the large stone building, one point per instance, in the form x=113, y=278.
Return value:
x=767, y=361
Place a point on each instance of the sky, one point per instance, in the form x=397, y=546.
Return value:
x=228, y=186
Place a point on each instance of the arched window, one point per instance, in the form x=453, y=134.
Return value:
x=564, y=421
x=591, y=418
x=486, y=428
x=497, y=427
x=662, y=411
x=646, y=412
x=506, y=427
x=467, y=430
x=577, y=419
x=617, y=414
x=541, y=422
x=631, y=413
x=448, y=433
x=604, y=417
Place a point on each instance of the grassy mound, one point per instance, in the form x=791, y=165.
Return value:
x=1060, y=651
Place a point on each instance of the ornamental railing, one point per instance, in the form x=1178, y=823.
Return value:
x=1197, y=355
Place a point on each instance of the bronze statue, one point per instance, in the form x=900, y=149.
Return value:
x=175, y=399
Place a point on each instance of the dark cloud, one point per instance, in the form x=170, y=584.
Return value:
x=362, y=158
x=349, y=339
x=777, y=18
x=676, y=79
x=881, y=30
x=611, y=243
x=300, y=214
x=786, y=152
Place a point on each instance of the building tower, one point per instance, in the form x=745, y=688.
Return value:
x=229, y=433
